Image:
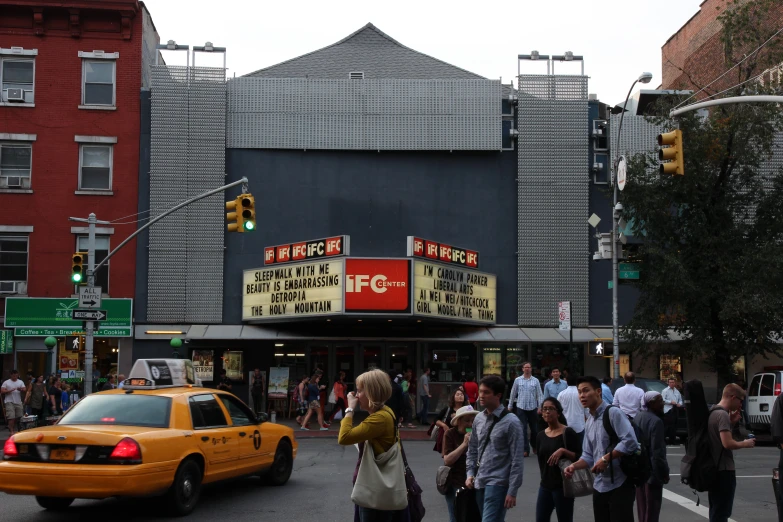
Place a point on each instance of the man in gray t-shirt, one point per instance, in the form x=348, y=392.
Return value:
x=723, y=417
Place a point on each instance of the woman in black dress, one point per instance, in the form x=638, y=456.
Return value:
x=556, y=442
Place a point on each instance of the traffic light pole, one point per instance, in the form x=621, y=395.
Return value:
x=92, y=268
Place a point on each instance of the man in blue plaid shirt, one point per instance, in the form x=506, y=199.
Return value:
x=527, y=396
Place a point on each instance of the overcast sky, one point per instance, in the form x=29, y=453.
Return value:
x=619, y=39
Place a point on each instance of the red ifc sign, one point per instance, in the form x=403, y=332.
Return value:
x=418, y=247
x=304, y=250
x=377, y=285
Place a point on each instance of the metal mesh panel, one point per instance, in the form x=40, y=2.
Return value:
x=297, y=113
x=553, y=194
x=185, y=281
x=639, y=136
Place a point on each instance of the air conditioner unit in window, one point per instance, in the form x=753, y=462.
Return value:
x=14, y=181
x=8, y=287
x=15, y=95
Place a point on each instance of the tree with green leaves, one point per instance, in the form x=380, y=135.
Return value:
x=712, y=240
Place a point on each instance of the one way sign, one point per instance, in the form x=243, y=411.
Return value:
x=88, y=315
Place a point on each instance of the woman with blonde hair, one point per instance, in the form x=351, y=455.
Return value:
x=373, y=389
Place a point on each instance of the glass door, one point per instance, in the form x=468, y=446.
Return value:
x=372, y=357
x=345, y=361
x=319, y=362
x=401, y=356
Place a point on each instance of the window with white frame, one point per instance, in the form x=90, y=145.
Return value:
x=13, y=263
x=16, y=161
x=17, y=77
x=95, y=167
x=98, y=82
x=101, y=251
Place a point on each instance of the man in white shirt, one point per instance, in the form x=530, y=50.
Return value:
x=12, y=391
x=573, y=410
x=629, y=398
x=672, y=402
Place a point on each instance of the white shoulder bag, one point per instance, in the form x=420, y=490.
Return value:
x=380, y=483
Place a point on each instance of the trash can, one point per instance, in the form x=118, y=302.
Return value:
x=776, y=489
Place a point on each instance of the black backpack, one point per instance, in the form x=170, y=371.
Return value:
x=636, y=466
x=698, y=468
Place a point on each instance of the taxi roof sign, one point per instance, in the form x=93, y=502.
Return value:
x=151, y=374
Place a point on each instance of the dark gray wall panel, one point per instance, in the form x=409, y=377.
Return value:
x=467, y=199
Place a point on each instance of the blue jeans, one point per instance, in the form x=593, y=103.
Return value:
x=528, y=418
x=491, y=502
x=721, y=496
x=451, y=496
x=374, y=515
x=554, y=500
x=425, y=409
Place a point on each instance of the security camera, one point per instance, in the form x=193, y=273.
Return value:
x=597, y=256
x=618, y=207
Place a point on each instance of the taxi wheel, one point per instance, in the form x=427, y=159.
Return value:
x=282, y=466
x=54, y=503
x=184, y=493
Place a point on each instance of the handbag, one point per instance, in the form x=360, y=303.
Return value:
x=416, y=509
x=442, y=479
x=332, y=398
x=435, y=429
x=580, y=484
x=381, y=480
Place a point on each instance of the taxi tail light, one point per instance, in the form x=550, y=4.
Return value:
x=9, y=448
x=127, y=451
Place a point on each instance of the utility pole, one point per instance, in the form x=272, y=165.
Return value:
x=92, y=268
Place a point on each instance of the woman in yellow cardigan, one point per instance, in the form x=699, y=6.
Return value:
x=373, y=389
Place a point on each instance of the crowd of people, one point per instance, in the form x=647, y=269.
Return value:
x=587, y=442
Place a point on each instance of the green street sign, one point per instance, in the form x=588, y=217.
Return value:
x=629, y=271
x=6, y=341
x=60, y=332
x=54, y=313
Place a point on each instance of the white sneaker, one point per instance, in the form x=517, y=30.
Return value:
x=324, y=429
x=304, y=429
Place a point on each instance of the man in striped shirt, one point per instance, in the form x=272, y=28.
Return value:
x=526, y=394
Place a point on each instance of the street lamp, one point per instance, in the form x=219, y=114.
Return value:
x=616, y=210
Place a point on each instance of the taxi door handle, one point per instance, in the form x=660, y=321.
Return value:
x=204, y=439
x=242, y=433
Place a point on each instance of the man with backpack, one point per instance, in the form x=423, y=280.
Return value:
x=649, y=495
x=722, y=418
x=610, y=439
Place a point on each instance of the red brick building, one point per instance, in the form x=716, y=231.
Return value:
x=69, y=140
x=694, y=56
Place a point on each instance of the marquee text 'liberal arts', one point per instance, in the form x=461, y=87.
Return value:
x=454, y=293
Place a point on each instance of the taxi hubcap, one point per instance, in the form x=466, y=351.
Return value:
x=187, y=488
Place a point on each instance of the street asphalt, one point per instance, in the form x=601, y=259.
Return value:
x=320, y=489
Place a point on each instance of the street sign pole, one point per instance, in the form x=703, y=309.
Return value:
x=88, y=338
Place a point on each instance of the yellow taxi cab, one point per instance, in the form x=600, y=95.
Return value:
x=162, y=434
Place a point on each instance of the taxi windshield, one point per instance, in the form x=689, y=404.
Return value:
x=123, y=410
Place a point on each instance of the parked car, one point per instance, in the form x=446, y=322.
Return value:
x=762, y=392
x=659, y=386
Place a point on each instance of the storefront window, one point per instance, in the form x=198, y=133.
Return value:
x=670, y=366
x=319, y=360
x=371, y=357
x=401, y=357
x=345, y=362
x=449, y=362
x=561, y=356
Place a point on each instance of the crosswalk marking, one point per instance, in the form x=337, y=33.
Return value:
x=689, y=504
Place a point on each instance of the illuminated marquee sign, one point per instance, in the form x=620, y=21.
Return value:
x=418, y=247
x=453, y=293
x=304, y=250
x=293, y=291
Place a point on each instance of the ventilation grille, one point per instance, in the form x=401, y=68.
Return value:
x=356, y=76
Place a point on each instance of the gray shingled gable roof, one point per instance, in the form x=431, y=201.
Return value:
x=371, y=51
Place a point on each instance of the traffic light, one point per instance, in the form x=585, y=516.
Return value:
x=671, y=153
x=234, y=218
x=248, y=204
x=77, y=268
x=243, y=215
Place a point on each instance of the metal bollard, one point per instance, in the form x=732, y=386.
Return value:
x=776, y=490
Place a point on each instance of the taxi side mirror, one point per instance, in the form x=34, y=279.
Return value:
x=262, y=417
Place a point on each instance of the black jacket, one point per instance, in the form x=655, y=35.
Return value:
x=395, y=401
x=777, y=420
